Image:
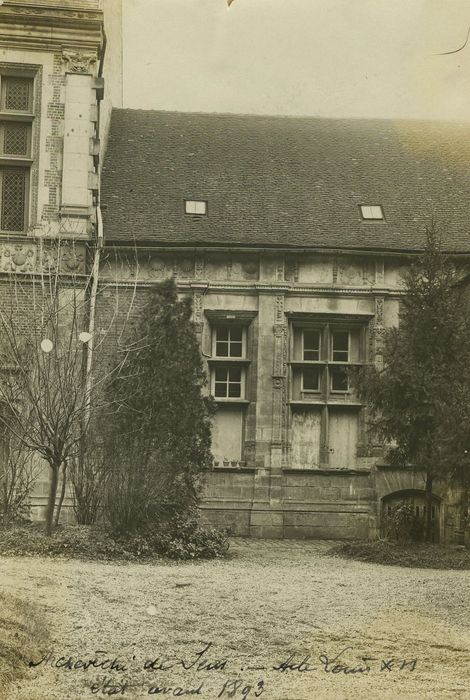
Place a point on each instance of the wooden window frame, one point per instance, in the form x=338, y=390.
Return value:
x=218, y=326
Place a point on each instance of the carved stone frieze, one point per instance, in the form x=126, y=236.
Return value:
x=35, y=257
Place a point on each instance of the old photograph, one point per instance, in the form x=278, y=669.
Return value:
x=234, y=349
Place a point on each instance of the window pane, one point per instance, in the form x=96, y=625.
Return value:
x=339, y=379
x=221, y=349
x=235, y=374
x=236, y=333
x=311, y=345
x=234, y=391
x=376, y=212
x=221, y=333
x=235, y=349
x=17, y=94
x=220, y=374
x=311, y=379
x=220, y=389
x=13, y=199
x=340, y=344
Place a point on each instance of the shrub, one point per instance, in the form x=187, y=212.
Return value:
x=403, y=524
x=159, y=432
x=176, y=540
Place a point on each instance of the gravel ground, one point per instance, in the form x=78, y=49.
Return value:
x=270, y=601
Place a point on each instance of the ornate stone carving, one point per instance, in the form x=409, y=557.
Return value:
x=77, y=62
x=199, y=267
x=184, y=267
x=379, y=311
x=379, y=271
x=335, y=270
x=159, y=266
x=197, y=308
x=292, y=270
x=250, y=268
x=72, y=260
x=279, y=318
x=350, y=273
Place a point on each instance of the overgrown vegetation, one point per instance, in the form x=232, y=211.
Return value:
x=23, y=636
x=419, y=400
x=18, y=475
x=408, y=554
x=182, y=540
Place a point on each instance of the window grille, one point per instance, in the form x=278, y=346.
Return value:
x=15, y=139
x=17, y=94
x=13, y=199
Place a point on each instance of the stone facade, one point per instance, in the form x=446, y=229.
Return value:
x=287, y=463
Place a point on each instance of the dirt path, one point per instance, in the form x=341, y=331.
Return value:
x=271, y=600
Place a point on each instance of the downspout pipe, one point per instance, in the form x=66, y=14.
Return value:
x=99, y=243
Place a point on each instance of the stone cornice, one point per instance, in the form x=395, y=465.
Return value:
x=256, y=289
x=43, y=27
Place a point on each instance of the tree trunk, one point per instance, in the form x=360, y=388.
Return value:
x=428, y=501
x=464, y=508
x=55, y=468
x=62, y=495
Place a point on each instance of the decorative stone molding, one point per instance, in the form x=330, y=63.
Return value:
x=77, y=62
x=35, y=258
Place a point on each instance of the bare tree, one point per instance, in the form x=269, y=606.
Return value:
x=46, y=380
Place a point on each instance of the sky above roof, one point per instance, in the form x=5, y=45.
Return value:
x=328, y=58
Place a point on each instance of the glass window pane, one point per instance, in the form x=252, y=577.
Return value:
x=221, y=333
x=376, y=212
x=221, y=349
x=311, y=379
x=339, y=379
x=235, y=349
x=234, y=391
x=220, y=389
x=220, y=374
x=236, y=333
x=311, y=345
x=235, y=374
x=340, y=345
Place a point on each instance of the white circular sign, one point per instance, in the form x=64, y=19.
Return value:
x=84, y=337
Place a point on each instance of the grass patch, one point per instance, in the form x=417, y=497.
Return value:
x=23, y=636
x=415, y=555
x=86, y=542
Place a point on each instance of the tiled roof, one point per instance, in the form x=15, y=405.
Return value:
x=285, y=181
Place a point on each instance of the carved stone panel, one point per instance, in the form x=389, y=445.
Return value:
x=316, y=269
